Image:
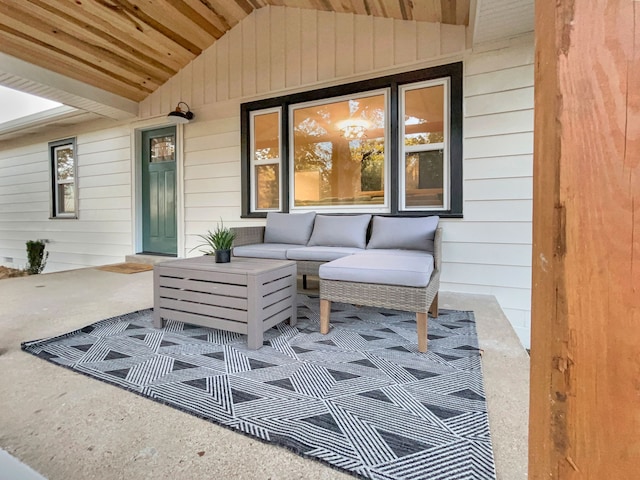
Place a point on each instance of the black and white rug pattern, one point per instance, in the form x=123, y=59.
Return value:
x=362, y=398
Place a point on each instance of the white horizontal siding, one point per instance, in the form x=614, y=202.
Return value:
x=499, y=123
x=500, y=210
x=101, y=234
x=498, y=167
x=502, y=188
x=499, y=102
x=487, y=254
x=207, y=185
x=489, y=251
x=487, y=232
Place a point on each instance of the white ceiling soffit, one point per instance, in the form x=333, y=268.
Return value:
x=28, y=78
x=500, y=19
x=44, y=122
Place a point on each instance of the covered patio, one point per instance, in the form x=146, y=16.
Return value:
x=66, y=425
x=553, y=240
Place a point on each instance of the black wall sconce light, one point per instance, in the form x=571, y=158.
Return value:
x=181, y=115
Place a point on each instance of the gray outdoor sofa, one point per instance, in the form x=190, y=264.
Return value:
x=387, y=262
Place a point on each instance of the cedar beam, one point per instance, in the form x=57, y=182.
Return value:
x=585, y=349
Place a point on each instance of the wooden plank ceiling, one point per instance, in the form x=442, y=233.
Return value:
x=131, y=47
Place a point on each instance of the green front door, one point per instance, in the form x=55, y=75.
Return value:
x=159, y=225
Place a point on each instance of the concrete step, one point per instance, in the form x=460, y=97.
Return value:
x=148, y=258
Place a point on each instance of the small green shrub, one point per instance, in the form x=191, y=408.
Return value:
x=36, y=257
x=220, y=239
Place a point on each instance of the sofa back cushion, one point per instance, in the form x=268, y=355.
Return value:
x=342, y=231
x=403, y=233
x=293, y=228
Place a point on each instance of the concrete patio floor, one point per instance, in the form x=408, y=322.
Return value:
x=68, y=426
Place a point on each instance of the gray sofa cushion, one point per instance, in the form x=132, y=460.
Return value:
x=403, y=233
x=342, y=231
x=321, y=254
x=405, y=270
x=293, y=228
x=264, y=250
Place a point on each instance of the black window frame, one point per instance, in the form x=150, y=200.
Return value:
x=55, y=214
x=452, y=71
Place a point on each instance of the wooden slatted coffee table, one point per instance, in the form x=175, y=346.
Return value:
x=247, y=295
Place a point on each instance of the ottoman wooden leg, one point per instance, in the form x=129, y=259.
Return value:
x=158, y=322
x=421, y=320
x=325, y=312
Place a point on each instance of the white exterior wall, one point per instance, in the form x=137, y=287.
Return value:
x=279, y=50
x=101, y=235
x=275, y=51
x=489, y=251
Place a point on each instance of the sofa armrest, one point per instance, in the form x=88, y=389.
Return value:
x=437, y=249
x=248, y=235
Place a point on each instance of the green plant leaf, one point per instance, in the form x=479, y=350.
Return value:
x=220, y=239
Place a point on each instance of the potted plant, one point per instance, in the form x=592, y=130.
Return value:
x=218, y=243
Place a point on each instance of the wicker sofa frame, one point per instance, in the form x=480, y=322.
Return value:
x=421, y=300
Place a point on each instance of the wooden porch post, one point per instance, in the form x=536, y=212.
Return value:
x=585, y=362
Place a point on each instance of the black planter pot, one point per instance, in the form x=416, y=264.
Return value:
x=223, y=256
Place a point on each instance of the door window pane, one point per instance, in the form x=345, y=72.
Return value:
x=339, y=152
x=162, y=149
x=424, y=179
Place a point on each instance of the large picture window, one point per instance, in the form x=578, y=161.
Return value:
x=388, y=145
x=63, y=178
x=338, y=153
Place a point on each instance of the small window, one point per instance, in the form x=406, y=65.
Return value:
x=63, y=178
x=424, y=139
x=266, y=178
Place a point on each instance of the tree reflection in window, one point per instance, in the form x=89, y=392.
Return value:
x=266, y=160
x=330, y=166
x=65, y=180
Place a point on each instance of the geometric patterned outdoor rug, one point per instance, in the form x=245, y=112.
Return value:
x=361, y=399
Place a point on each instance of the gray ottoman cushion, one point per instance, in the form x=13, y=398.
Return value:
x=405, y=270
x=264, y=250
x=395, y=251
x=294, y=228
x=321, y=254
x=404, y=233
